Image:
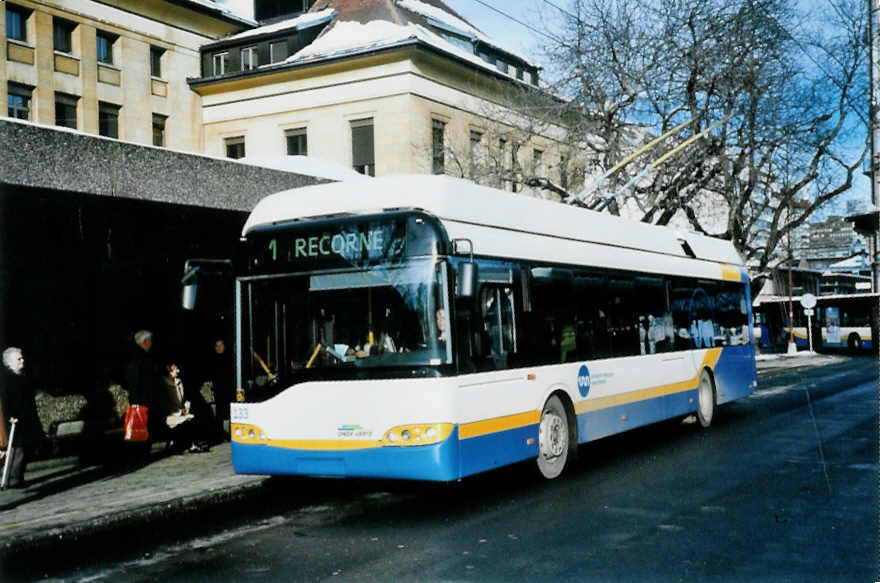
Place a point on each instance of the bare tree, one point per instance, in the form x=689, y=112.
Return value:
x=790, y=99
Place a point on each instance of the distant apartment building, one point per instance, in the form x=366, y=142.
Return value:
x=116, y=69
x=829, y=242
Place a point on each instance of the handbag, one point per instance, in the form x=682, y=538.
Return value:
x=135, y=427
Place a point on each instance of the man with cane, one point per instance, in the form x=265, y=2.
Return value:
x=18, y=417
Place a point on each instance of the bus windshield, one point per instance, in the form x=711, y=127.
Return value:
x=322, y=321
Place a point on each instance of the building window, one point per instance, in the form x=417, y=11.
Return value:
x=65, y=110
x=156, y=61
x=297, y=142
x=563, y=172
x=501, y=168
x=475, y=154
x=538, y=163
x=362, y=153
x=438, y=162
x=235, y=147
x=221, y=63
x=159, y=130
x=249, y=59
x=267, y=9
x=108, y=120
x=278, y=51
x=16, y=23
x=104, y=42
x=19, y=101
x=62, y=34
x=514, y=167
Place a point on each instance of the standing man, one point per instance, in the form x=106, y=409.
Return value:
x=17, y=402
x=144, y=381
x=221, y=372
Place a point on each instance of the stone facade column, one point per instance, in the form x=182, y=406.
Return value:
x=44, y=93
x=89, y=74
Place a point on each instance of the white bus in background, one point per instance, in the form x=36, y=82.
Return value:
x=840, y=321
x=423, y=327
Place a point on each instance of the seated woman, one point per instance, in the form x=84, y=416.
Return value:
x=178, y=418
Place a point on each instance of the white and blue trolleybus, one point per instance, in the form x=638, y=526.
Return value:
x=427, y=328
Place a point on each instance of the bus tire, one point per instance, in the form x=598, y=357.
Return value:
x=553, y=438
x=854, y=343
x=706, y=399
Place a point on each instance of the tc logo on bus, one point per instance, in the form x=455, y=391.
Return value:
x=584, y=380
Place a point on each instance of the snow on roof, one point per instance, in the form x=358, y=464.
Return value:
x=222, y=10
x=458, y=25
x=298, y=23
x=307, y=165
x=468, y=205
x=350, y=38
x=856, y=261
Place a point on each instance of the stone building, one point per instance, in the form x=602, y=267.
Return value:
x=115, y=69
x=384, y=86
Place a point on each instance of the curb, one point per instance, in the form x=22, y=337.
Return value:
x=119, y=525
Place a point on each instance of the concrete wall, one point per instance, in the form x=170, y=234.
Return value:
x=49, y=157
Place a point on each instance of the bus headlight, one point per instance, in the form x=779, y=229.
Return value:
x=248, y=434
x=417, y=434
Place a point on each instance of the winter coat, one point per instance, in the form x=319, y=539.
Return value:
x=17, y=400
x=143, y=379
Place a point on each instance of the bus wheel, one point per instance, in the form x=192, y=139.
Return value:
x=705, y=399
x=854, y=342
x=553, y=437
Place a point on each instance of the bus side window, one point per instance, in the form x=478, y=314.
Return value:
x=499, y=324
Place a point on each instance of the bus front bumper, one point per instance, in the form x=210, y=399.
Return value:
x=436, y=462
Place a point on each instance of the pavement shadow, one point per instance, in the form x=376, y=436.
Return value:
x=74, y=476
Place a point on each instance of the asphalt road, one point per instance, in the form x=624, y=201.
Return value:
x=782, y=487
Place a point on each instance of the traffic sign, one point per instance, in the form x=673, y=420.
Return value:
x=808, y=311
x=808, y=301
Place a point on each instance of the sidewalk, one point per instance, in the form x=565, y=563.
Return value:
x=801, y=359
x=66, y=501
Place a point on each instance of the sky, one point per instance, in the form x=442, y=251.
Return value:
x=512, y=24
x=501, y=28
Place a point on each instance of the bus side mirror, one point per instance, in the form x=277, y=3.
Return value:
x=467, y=276
x=198, y=271
x=466, y=279
x=190, y=286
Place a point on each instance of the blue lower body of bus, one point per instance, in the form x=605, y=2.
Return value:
x=864, y=344
x=453, y=458
x=437, y=462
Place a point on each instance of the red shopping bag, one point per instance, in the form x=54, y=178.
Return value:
x=136, y=423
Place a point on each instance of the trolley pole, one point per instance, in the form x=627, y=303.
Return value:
x=873, y=77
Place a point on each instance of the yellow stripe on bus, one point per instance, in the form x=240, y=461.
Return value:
x=477, y=428
x=730, y=272
x=314, y=444
x=709, y=360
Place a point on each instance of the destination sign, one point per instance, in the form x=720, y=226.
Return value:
x=329, y=244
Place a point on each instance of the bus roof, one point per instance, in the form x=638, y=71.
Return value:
x=504, y=224
x=821, y=298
